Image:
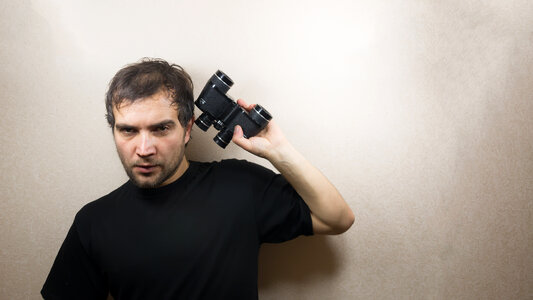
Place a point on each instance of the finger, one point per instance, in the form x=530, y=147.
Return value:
x=239, y=139
x=242, y=103
x=245, y=105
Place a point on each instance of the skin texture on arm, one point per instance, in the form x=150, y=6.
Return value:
x=330, y=214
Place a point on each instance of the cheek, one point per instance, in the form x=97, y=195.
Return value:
x=123, y=148
x=170, y=145
x=165, y=146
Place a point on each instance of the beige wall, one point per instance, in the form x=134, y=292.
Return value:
x=421, y=113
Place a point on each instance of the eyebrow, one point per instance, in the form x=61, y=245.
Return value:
x=170, y=123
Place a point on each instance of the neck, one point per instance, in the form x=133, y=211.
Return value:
x=184, y=165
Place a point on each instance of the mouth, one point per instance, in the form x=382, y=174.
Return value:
x=145, y=168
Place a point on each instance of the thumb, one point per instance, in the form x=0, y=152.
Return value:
x=239, y=139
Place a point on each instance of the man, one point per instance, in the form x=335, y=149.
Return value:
x=180, y=229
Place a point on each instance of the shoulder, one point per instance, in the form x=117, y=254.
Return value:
x=239, y=171
x=243, y=166
x=101, y=206
x=243, y=170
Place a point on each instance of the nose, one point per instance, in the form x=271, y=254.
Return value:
x=146, y=146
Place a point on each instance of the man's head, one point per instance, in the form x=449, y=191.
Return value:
x=150, y=109
x=146, y=78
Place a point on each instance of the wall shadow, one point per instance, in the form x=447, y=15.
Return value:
x=297, y=261
x=202, y=148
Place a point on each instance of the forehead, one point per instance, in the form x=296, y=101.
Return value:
x=146, y=111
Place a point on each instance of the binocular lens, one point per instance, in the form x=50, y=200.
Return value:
x=223, y=138
x=260, y=116
x=204, y=121
x=224, y=78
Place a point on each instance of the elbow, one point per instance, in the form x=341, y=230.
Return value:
x=348, y=221
x=333, y=222
x=344, y=223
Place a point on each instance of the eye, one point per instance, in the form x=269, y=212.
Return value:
x=162, y=130
x=127, y=131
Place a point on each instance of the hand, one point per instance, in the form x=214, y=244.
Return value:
x=266, y=143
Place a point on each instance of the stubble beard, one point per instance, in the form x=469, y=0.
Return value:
x=154, y=179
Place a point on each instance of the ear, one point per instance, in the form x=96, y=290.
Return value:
x=188, y=130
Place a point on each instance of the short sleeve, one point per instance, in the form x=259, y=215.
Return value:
x=74, y=275
x=282, y=214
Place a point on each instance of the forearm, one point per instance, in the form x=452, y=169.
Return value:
x=330, y=213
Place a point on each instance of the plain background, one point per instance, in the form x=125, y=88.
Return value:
x=420, y=112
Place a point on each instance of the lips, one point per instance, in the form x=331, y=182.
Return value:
x=145, y=168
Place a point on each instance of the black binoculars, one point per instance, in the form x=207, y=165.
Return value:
x=224, y=114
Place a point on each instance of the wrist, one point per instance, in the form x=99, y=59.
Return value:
x=284, y=156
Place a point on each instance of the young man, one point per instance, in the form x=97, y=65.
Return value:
x=179, y=229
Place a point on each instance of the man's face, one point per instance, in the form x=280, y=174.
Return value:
x=150, y=140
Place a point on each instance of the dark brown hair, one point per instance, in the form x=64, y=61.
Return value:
x=146, y=78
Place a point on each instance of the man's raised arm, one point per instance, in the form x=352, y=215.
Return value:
x=330, y=214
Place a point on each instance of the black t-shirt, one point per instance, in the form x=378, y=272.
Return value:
x=196, y=238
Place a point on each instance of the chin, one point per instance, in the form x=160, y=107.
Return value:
x=146, y=183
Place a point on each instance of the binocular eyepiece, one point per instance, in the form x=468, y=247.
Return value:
x=224, y=114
